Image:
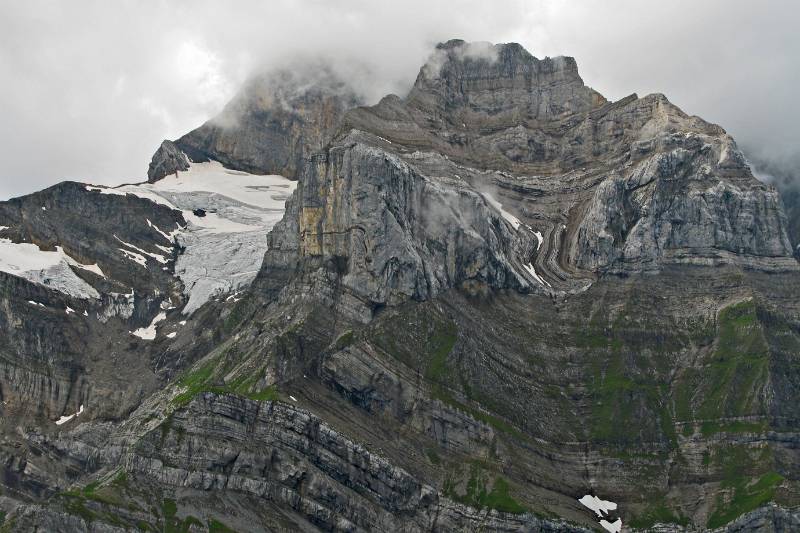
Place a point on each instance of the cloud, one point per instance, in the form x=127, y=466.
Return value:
x=90, y=88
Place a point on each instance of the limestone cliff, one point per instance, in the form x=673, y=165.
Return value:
x=485, y=300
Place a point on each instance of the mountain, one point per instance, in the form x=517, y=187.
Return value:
x=273, y=124
x=500, y=302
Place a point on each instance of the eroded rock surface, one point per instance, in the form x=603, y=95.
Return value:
x=485, y=300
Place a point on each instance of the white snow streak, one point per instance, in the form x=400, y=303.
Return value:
x=94, y=268
x=65, y=419
x=160, y=258
x=514, y=221
x=532, y=271
x=167, y=236
x=539, y=239
x=149, y=333
x=133, y=256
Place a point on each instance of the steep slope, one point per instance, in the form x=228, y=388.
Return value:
x=483, y=302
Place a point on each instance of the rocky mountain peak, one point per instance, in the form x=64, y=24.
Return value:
x=500, y=79
x=498, y=298
x=275, y=122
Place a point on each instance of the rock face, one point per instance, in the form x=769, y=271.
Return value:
x=168, y=159
x=503, y=169
x=271, y=127
x=484, y=301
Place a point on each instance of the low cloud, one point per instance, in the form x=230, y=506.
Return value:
x=90, y=88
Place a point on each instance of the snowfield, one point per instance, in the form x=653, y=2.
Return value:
x=228, y=214
x=50, y=269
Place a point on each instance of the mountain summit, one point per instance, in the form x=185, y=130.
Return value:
x=500, y=302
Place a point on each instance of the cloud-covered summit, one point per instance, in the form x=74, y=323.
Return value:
x=91, y=88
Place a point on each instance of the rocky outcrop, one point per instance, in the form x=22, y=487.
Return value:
x=271, y=127
x=676, y=207
x=168, y=159
x=397, y=233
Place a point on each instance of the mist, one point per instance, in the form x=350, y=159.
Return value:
x=90, y=88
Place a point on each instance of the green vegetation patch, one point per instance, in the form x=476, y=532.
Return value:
x=749, y=479
x=433, y=457
x=201, y=380
x=478, y=495
x=711, y=427
x=746, y=497
x=424, y=341
x=658, y=513
x=738, y=366
x=441, y=343
x=215, y=526
x=627, y=405
x=345, y=340
x=172, y=524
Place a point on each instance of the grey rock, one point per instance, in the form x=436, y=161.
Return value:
x=501, y=282
x=168, y=159
x=275, y=122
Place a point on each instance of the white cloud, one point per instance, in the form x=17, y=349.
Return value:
x=90, y=88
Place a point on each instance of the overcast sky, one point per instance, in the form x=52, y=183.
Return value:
x=88, y=89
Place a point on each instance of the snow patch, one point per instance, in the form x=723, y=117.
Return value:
x=69, y=310
x=133, y=256
x=50, y=269
x=613, y=527
x=65, y=419
x=601, y=507
x=160, y=258
x=94, y=268
x=539, y=239
x=167, y=236
x=149, y=333
x=532, y=271
x=511, y=219
x=171, y=335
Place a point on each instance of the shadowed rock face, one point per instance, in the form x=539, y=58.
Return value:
x=273, y=124
x=485, y=300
